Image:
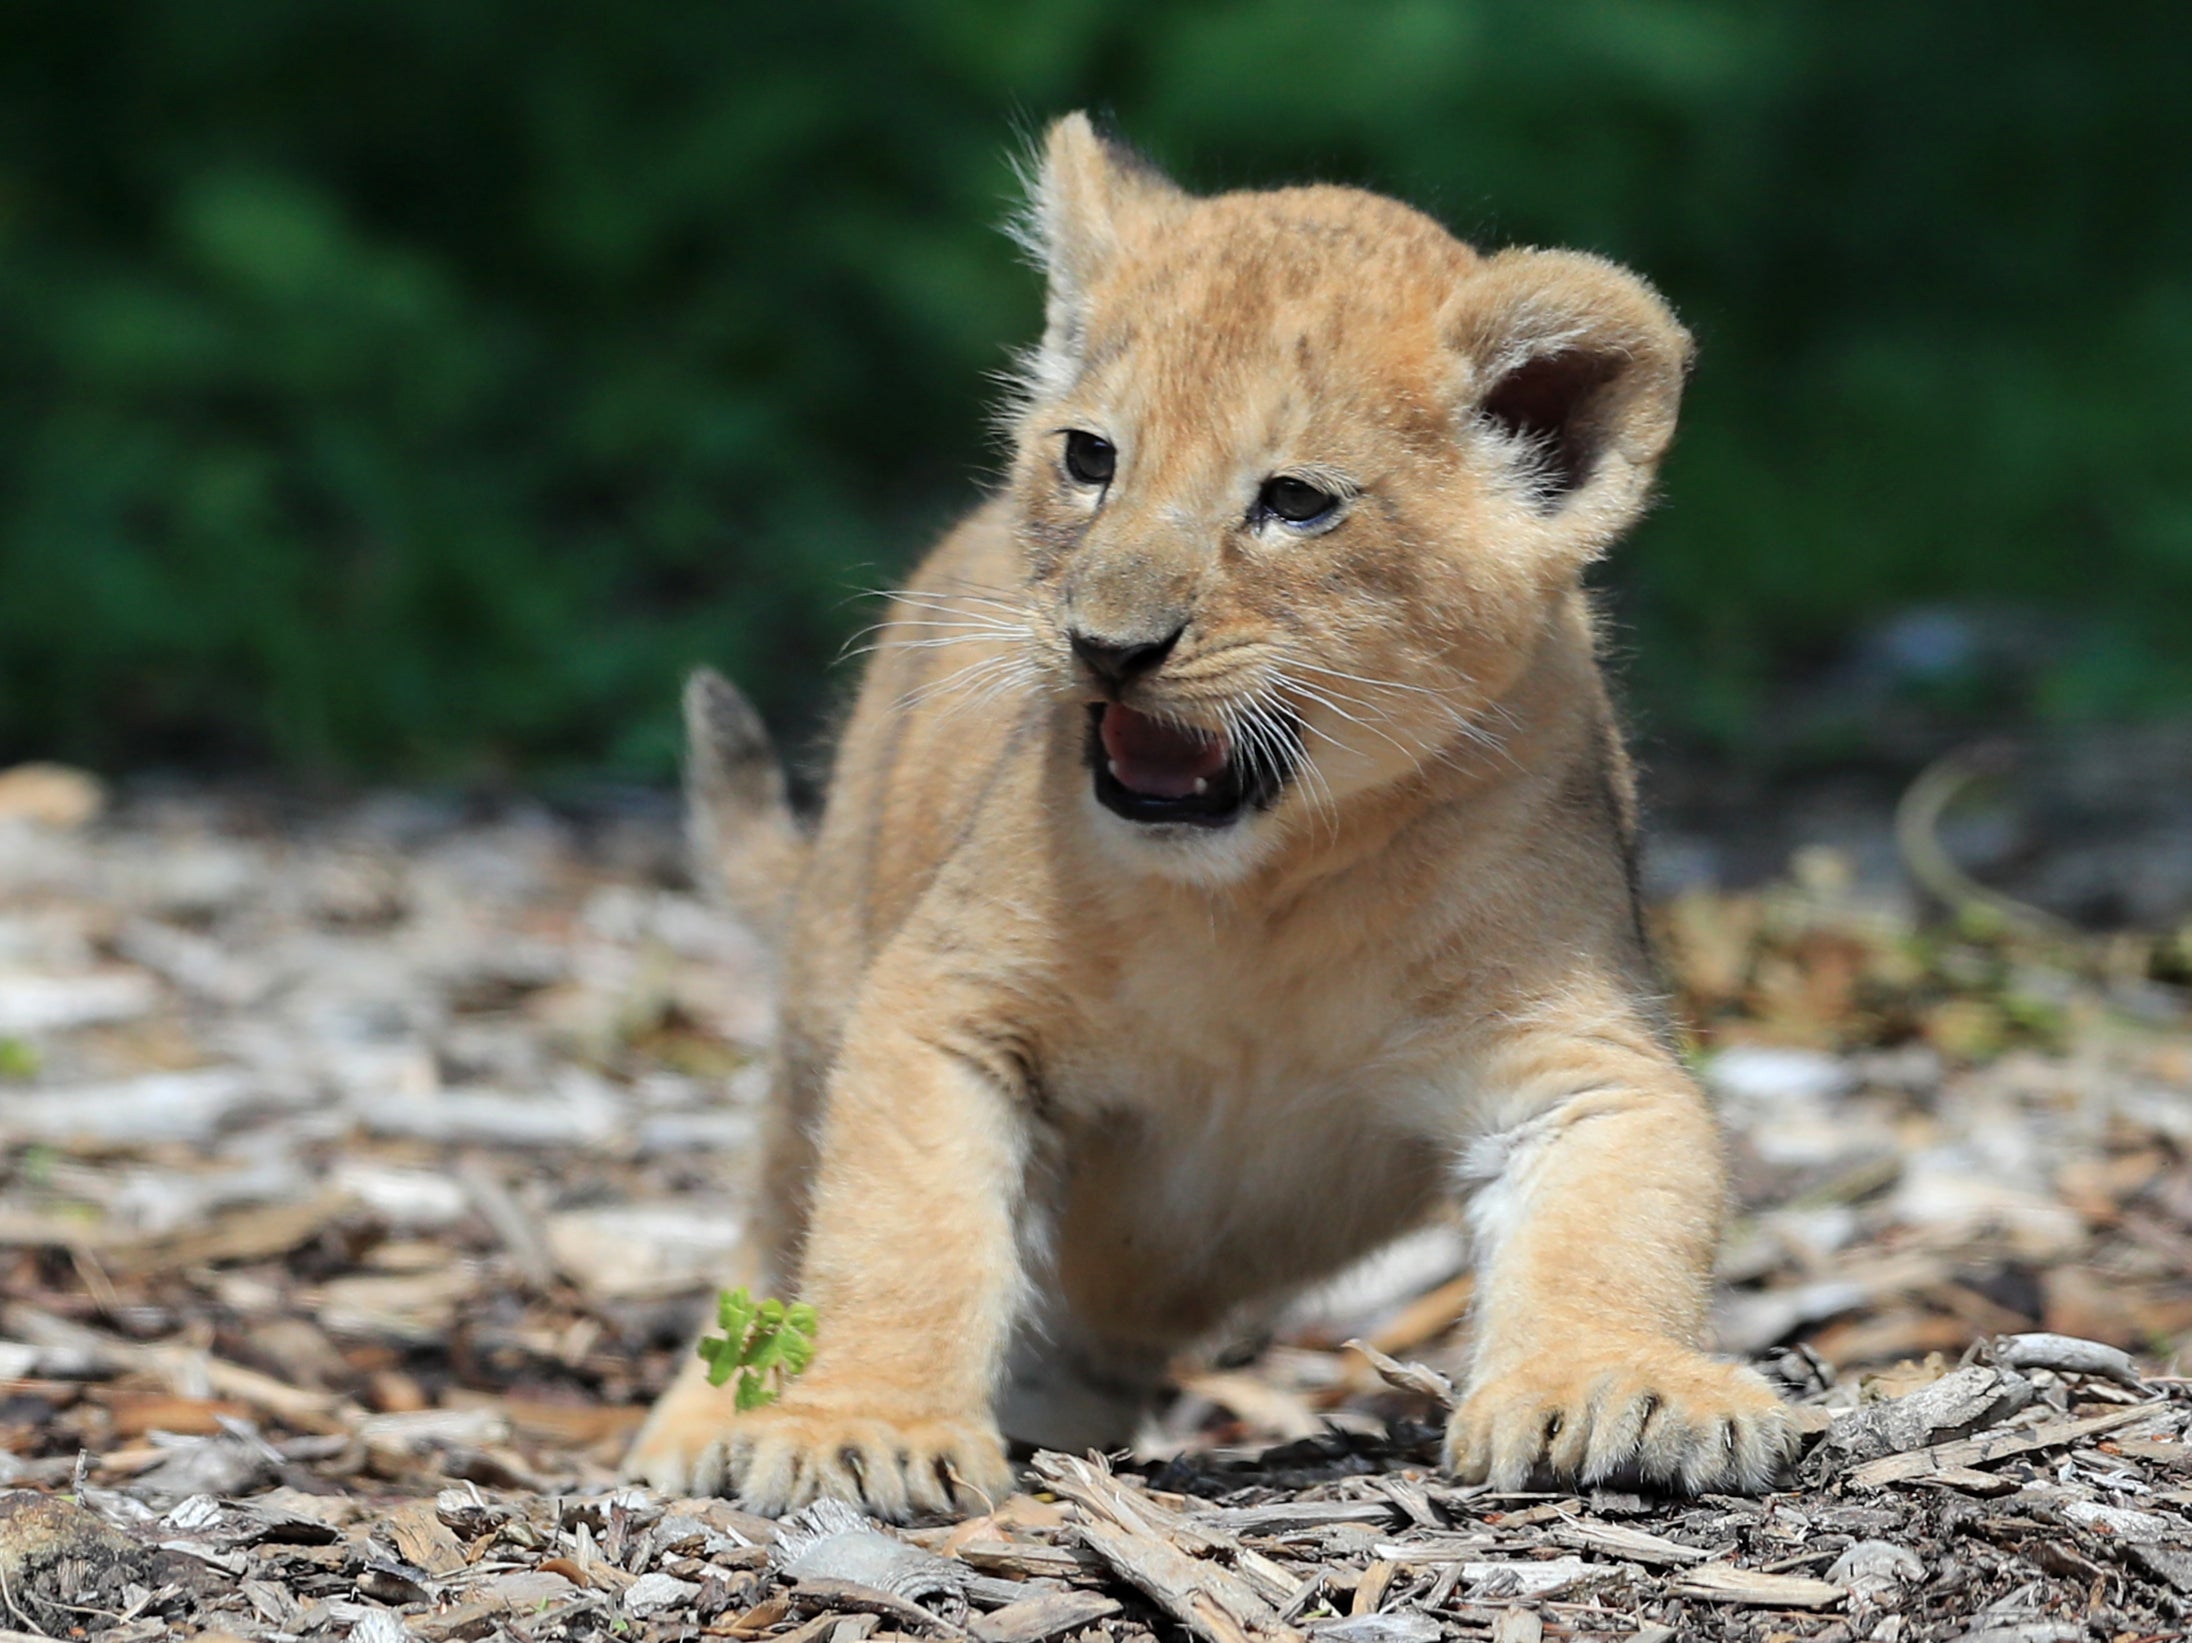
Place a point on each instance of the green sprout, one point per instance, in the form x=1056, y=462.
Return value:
x=764, y=1343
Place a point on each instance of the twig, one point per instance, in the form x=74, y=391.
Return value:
x=1917, y=834
x=14, y=1608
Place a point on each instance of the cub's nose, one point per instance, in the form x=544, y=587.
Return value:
x=1117, y=662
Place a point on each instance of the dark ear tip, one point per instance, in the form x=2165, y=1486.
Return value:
x=719, y=722
x=1102, y=125
x=707, y=693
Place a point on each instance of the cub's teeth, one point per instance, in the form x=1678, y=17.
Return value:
x=1113, y=766
x=1202, y=786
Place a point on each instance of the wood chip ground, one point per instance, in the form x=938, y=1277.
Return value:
x=361, y=1168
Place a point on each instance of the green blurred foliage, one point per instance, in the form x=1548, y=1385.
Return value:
x=417, y=387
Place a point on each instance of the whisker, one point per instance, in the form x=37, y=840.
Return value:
x=1285, y=740
x=1015, y=678
x=973, y=594
x=1324, y=788
x=957, y=639
x=1461, y=723
x=975, y=630
x=958, y=679
x=1392, y=741
x=992, y=624
x=1374, y=684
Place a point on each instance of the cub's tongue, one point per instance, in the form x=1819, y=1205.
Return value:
x=1159, y=760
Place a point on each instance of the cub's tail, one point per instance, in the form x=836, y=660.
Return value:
x=748, y=848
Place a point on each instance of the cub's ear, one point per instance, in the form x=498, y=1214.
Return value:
x=1574, y=371
x=1085, y=191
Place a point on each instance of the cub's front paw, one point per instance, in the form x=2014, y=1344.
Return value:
x=690, y=1417
x=1657, y=1411
x=778, y=1459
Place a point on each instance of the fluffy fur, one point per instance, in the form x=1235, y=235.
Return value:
x=1062, y=1092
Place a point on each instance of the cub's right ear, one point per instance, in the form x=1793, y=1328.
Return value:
x=1084, y=191
x=1573, y=375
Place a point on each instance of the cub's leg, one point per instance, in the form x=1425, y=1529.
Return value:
x=1597, y=1218
x=912, y=1263
x=691, y=1415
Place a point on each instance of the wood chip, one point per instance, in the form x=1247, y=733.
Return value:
x=418, y=1533
x=1725, y=1583
x=1287, y=1517
x=187, y=1372
x=2174, y=1567
x=1370, y=1590
x=829, y=1541
x=2067, y=1355
x=1531, y=1577
x=822, y=1628
x=762, y=1617
x=1408, y=1377
x=137, y=1412
x=1589, y=1535
x=1991, y=1446
x=461, y=1624
x=1137, y=1538
x=1969, y=1480
x=254, y=1234
x=851, y=1597
x=1454, y=1547
x=1954, y=1406
x=1022, y=1560
x=2165, y=1451
x=1037, y=1619
x=1405, y=1626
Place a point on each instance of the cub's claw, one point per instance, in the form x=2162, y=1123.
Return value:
x=778, y=1459
x=1661, y=1413
x=690, y=1416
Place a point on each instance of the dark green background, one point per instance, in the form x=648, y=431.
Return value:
x=417, y=387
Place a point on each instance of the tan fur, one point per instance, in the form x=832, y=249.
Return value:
x=1062, y=1093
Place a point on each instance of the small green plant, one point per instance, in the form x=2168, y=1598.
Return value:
x=764, y=1343
x=18, y=1058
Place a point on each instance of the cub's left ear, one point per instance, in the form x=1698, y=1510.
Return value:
x=1574, y=371
x=1087, y=194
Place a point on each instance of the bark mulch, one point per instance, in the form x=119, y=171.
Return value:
x=362, y=1168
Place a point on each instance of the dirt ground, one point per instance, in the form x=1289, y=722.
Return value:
x=363, y=1165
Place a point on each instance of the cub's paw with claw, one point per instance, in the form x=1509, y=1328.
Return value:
x=778, y=1459
x=1648, y=1410
x=679, y=1430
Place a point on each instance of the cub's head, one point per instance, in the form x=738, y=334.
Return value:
x=1299, y=480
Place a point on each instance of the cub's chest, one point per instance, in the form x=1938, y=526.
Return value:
x=1195, y=1031
x=1219, y=1139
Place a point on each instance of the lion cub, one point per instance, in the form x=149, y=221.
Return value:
x=1228, y=865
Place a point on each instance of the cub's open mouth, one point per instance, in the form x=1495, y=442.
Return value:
x=1149, y=770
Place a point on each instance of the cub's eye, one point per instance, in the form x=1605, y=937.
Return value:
x=1088, y=459
x=1296, y=500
